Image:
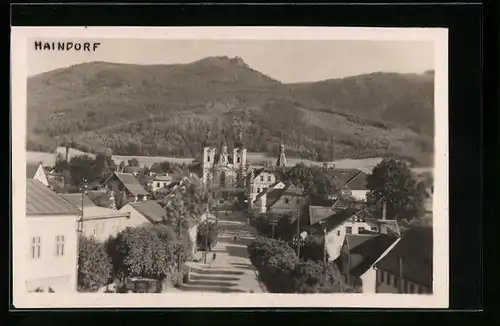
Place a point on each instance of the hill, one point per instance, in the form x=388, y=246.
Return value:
x=168, y=109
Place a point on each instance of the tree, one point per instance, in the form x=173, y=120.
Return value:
x=133, y=162
x=207, y=234
x=392, y=182
x=148, y=251
x=94, y=265
x=316, y=181
x=121, y=166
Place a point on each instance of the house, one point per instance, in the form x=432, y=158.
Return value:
x=359, y=253
x=160, y=181
x=408, y=267
x=77, y=200
x=51, y=240
x=101, y=223
x=353, y=183
x=146, y=211
x=127, y=185
x=337, y=223
x=37, y=172
x=281, y=200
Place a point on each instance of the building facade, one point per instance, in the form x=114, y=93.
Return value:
x=51, y=241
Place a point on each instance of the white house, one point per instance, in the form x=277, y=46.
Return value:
x=37, y=172
x=101, y=223
x=351, y=221
x=143, y=212
x=160, y=181
x=359, y=254
x=51, y=240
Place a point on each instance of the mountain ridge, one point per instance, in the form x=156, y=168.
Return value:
x=167, y=110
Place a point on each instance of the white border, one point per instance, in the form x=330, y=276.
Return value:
x=439, y=299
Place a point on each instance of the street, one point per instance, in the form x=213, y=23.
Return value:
x=231, y=271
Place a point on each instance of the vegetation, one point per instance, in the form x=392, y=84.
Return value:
x=392, y=182
x=94, y=265
x=207, y=235
x=81, y=167
x=149, y=251
x=282, y=272
x=166, y=110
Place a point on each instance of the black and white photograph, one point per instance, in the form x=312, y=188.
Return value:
x=210, y=167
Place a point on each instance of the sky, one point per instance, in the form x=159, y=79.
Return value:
x=284, y=60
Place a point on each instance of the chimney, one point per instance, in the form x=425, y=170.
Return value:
x=384, y=210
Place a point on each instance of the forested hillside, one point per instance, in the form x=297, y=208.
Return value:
x=168, y=109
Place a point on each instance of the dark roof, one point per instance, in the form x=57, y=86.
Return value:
x=150, y=209
x=274, y=195
x=131, y=183
x=336, y=218
x=365, y=250
x=40, y=200
x=358, y=182
x=76, y=200
x=415, y=250
x=31, y=169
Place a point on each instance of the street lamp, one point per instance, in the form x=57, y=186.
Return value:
x=273, y=223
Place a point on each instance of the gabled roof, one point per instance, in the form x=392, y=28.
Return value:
x=150, y=209
x=415, y=250
x=40, y=200
x=353, y=179
x=31, y=169
x=365, y=250
x=274, y=195
x=131, y=183
x=76, y=200
x=96, y=212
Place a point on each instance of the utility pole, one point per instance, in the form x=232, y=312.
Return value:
x=298, y=234
x=79, y=231
x=273, y=224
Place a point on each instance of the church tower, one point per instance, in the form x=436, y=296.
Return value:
x=240, y=158
x=281, y=161
x=208, y=158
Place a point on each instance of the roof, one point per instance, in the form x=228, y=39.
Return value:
x=415, y=250
x=131, y=183
x=150, y=209
x=354, y=179
x=275, y=194
x=76, y=200
x=31, y=169
x=132, y=169
x=358, y=182
x=163, y=177
x=97, y=212
x=40, y=200
x=365, y=250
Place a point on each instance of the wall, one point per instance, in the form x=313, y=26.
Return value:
x=369, y=279
x=58, y=272
x=335, y=238
x=41, y=176
x=158, y=184
x=388, y=283
x=359, y=194
x=102, y=229
x=135, y=219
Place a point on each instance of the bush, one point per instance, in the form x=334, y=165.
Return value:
x=282, y=272
x=94, y=265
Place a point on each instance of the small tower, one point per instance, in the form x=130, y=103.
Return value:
x=281, y=161
x=208, y=157
x=223, y=154
x=239, y=153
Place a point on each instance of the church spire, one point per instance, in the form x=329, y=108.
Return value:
x=281, y=161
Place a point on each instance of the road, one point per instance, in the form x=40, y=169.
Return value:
x=231, y=271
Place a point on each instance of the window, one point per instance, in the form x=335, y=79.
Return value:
x=158, y=185
x=269, y=178
x=208, y=158
x=287, y=200
x=338, y=233
x=237, y=159
x=60, y=245
x=35, y=247
x=348, y=230
x=412, y=288
x=258, y=190
x=261, y=178
x=374, y=228
x=361, y=229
